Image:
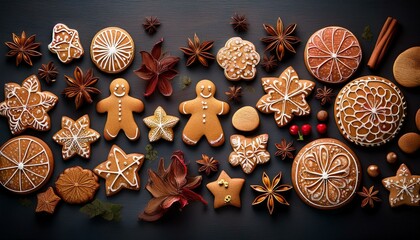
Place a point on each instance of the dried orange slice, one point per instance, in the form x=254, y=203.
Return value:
x=26, y=164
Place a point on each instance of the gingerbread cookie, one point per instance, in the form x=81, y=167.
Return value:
x=47, y=201
x=77, y=185
x=26, y=106
x=226, y=190
x=120, y=107
x=239, y=59
x=246, y=119
x=112, y=50
x=285, y=96
x=403, y=188
x=26, y=164
x=406, y=68
x=326, y=174
x=204, y=110
x=75, y=137
x=369, y=111
x=161, y=125
x=332, y=54
x=65, y=43
x=248, y=152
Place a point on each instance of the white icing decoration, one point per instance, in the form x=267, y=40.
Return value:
x=406, y=187
x=64, y=47
x=160, y=125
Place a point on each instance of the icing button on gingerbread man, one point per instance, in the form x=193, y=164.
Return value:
x=204, y=110
x=120, y=107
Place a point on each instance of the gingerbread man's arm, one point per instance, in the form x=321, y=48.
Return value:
x=187, y=107
x=224, y=109
x=103, y=105
x=136, y=105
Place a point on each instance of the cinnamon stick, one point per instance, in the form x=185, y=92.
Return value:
x=387, y=32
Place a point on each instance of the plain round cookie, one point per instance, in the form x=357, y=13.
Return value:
x=326, y=174
x=112, y=50
x=407, y=68
x=369, y=111
x=332, y=54
x=26, y=164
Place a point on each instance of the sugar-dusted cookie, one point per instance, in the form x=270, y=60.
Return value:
x=246, y=119
x=204, y=110
x=248, y=152
x=112, y=50
x=75, y=137
x=65, y=43
x=403, y=188
x=77, y=185
x=26, y=164
x=161, y=125
x=120, y=170
x=47, y=201
x=326, y=174
x=239, y=59
x=332, y=54
x=226, y=190
x=369, y=111
x=120, y=107
x=26, y=106
x=285, y=96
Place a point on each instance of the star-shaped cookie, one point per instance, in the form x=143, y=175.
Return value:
x=248, y=152
x=285, y=96
x=75, y=137
x=120, y=170
x=226, y=190
x=161, y=125
x=403, y=188
x=47, y=201
x=26, y=106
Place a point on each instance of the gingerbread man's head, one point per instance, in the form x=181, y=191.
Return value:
x=119, y=87
x=205, y=88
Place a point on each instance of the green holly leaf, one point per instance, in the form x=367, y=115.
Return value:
x=106, y=210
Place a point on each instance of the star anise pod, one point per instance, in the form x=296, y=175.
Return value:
x=239, y=23
x=285, y=149
x=197, y=50
x=80, y=86
x=269, y=63
x=208, y=164
x=48, y=72
x=151, y=24
x=324, y=94
x=23, y=48
x=280, y=39
x=234, y=93
x=158, y=69
x=270, y=191
x=369, y=196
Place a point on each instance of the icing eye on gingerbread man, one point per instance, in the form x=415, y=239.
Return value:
x=206, y=89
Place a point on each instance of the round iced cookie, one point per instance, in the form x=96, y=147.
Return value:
x=26, y=164
x=112, y=50
x=369, y=111
x=326, y=174
x=246, y=119
x=332, y=54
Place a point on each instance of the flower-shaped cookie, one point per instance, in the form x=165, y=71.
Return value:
x=239, y=59
x=65, y=43
x=285, y=96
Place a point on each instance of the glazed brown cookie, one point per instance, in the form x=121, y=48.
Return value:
x=226, y=190
x=332, y=54
x=120, y=107
x=47, y=201
x=326, y=174
x=112, y=50
x=65, y=43
x=26, y=164
x=406, y=68
x=369, y=111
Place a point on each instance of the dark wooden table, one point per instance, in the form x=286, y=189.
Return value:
x=210, y=20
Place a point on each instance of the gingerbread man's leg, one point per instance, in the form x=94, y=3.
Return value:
x=110, y=130
x=192, y=133
x=131, y=130
x=215, y=135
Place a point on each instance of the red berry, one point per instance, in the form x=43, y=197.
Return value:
x=321, y=128
x=294, y=130
x=306, y=129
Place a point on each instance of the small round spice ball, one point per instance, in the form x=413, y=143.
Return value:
x=373, y=170
x=322, y=116
x=391, y=157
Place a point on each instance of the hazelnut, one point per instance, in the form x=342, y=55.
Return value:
x=373, y=170
x=391, y=157
x=322, y=116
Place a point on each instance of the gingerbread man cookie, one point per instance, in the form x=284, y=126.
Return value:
x=120, y=107
x=204, y=110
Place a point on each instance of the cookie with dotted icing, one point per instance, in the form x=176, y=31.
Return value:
x=239, y=59
x=226, y=190
x=369, y=111
x=112, y=50
x=326, y=174
x=332, y=54
x=27, y=106
x=65, y=43
x=26, y=164
x=120, y=170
